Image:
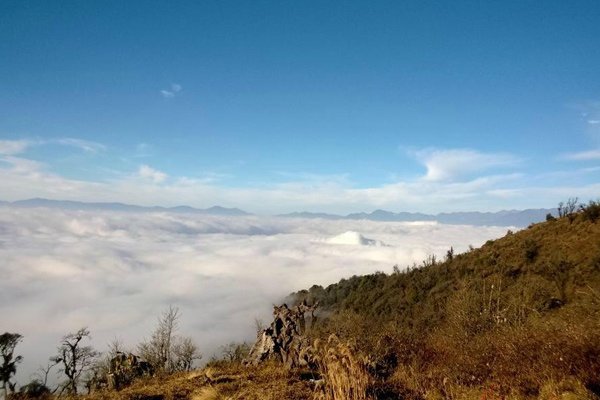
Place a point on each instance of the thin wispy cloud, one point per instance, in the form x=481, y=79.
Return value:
x=12, y=147
x=85, y=145
x=173, y=90
x=588, y=155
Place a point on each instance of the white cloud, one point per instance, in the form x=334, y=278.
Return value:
x=152, y=174
x=11, y=147
x=85, y=145
x=21, y=178
x=447, y=186
x=114, y=272
x=593, y=121
x=583, y=155
x=454, y=164
x=23, y=167
x=172, y=91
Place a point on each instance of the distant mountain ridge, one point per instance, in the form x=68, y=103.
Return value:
x=519, y=218
x=80, y=205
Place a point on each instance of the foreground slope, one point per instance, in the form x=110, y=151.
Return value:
x=222, y=380
x=518, y=317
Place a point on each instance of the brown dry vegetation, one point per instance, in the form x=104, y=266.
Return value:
x=518, y=318
x=345, y=375
x=222, y=380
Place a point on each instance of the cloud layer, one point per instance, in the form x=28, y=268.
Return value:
x=114, y=272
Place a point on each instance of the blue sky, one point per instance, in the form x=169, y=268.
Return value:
x=275, y=106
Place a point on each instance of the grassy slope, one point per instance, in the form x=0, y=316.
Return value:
x=223, y=380
x=568, y=258
x=520, y=315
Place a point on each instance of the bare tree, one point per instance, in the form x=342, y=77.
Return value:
x=158, y=350
x=184, y=352
x=568, y=209
x=75, y=358
x=8, y=342
x=42, y=373
x=571, y=208
x=115, y=346
x=561, y=209
x=235, y=352
x=571, y=205
x=166, y=351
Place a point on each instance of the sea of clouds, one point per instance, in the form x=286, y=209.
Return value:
x=115, y=272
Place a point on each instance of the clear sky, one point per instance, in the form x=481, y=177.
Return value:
x=276, y=106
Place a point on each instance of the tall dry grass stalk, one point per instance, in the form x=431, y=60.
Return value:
x=208, y=393
x=345, y=376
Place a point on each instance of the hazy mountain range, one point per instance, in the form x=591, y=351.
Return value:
x=518, y=218
x=79, y=205
x=501, y=218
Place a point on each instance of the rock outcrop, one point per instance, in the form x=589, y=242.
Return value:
x=284, y=340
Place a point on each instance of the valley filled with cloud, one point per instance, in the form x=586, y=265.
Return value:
x=114, y=272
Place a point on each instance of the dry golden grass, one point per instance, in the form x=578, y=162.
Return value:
x=225, y=381
x=208, y=393
x=345, y=375
x=518, y=318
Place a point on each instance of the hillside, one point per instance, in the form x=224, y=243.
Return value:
x=517, y=318
x=557, y=260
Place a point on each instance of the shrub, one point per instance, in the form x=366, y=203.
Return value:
x=531, y=248
x=35, y=390
x=568, y=208
x=591, y=211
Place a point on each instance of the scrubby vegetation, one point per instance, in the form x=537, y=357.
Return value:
x=517, y=318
